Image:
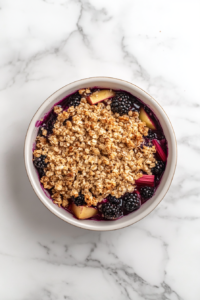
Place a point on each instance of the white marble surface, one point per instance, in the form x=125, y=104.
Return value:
x=47, y=44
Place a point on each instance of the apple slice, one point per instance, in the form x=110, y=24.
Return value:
x=145, y=118
x=99, y=96
x=83, y=212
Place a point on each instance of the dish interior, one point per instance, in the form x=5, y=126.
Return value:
x=104, y=83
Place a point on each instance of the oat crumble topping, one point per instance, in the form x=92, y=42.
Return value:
x=96, y=153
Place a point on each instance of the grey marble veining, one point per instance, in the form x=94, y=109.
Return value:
x=46, y=44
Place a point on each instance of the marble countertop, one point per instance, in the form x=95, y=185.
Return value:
x=46, y=44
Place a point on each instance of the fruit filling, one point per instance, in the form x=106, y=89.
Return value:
x=100, y=153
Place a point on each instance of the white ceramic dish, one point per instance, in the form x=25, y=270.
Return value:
x=146, y=208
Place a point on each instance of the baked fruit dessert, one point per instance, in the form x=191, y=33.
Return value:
x=100, y=153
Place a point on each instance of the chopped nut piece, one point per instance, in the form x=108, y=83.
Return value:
x=57, y=109
x=65, y=203
x=44, y=132
x=81, y=91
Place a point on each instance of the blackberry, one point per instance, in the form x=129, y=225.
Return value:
x=131, y=202
x=121, y=103
x=151, y=135
x=40, y=164
x=114, y=200
x=159, y=168
x=158, y=178
x=41, y=172
x=146, y=192
x=49, y=125
x=136, y=104
x=73, y=100
x=110, y=211
x=80, y=200
x=154, y=135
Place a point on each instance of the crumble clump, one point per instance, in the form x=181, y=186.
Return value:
x=95, y=152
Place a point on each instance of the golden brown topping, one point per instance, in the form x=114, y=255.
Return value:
x=96, y=153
